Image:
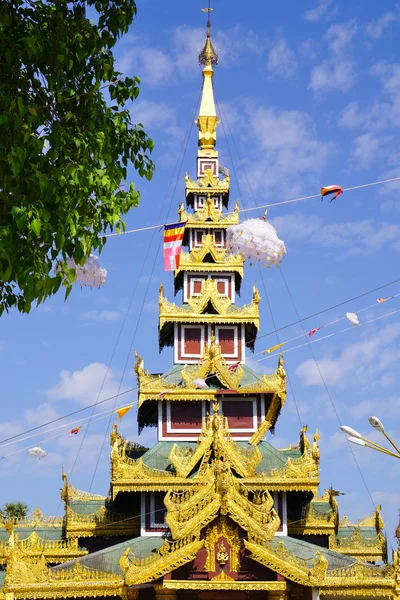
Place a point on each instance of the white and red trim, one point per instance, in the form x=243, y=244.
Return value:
x=180, y=355
x=190, y=277
x=204, y=163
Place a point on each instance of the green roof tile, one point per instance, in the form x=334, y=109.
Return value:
x=306, y=551
x=157, y=456
x=86, y=507
x=46, y=533
x=173, y=375
x=108, y=558
x=365, y=532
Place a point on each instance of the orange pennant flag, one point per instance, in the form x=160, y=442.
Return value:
x=273, y=348
x=121, y=412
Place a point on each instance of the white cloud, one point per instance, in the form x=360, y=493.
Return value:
x=315, y=14
x=286, y=147
x=150, y=64
x=40, y=414
x=83, y=386
x=281, y=60
x=153, y=114
x=106, y=316
x=333, y=75
x=376, y=28
x=366, y=149
x=363, y=361
x=151, y=306
x=308, y=48
x=349, y=236
x=340, y=35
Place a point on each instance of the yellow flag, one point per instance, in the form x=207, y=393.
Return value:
x=273, y=348
x=121, y=412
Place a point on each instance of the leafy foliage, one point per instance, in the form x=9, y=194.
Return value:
x=63, y=150
x=15, y=510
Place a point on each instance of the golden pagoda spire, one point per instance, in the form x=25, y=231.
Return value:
x=208, y=120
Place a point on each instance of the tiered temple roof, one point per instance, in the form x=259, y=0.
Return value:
x=212, y=510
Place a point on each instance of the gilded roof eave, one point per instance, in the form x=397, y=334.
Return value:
x=192, y=312
x=155, y=387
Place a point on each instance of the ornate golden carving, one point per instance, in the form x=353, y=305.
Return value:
x=54, y=551
x=29, y=577
x=225, y=584
x=222, y=555
x=227, y=312
x=224, y=493
x=213, y=363
x=32, y=521
x=69, y=492
x=276, y=556
x=170, y=556
x=360, y=580
x=222, y=576
x=212, y=535
x=210, y=294
x=314, y=521
x=209, y=183
x=102, y=522
x=359, y=546
x=223, y=260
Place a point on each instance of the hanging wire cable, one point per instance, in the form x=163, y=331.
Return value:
x=183, y=154
x=329, y=394
x=259, y=207
x=293, y=303
x=80, y=410
x=259, y=266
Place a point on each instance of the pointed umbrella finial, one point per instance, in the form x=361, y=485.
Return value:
x=208, y=55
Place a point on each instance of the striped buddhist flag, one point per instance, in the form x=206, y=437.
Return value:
x=173, y=237
x=380, y=300
x=74, y=431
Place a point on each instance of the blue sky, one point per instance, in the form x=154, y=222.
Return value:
x=312, y=97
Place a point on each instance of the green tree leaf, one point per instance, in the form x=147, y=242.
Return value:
x=65, y=151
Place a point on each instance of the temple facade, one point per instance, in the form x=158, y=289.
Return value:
x=212, y=511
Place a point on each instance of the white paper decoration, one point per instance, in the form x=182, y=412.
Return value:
x=353, y=318
x=200, y=384
x=37, y=452
x=91, y=273
x=256, y=239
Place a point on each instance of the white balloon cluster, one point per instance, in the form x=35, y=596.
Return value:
x=257, y=240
